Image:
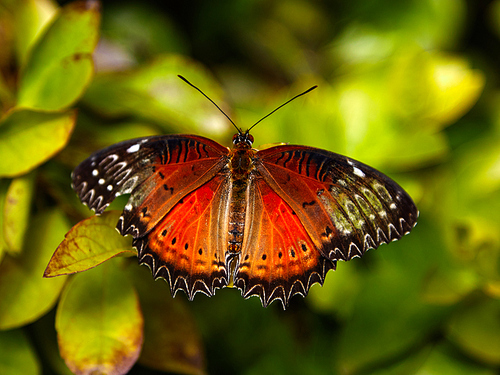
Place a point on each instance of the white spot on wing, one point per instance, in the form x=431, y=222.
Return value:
x=95, y=172
x=109, y=187
x=358, y=172
x=134, y=148
x=101, y=181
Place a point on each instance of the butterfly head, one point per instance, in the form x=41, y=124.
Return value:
x=243, y=139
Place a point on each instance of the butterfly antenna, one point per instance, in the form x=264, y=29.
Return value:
x=288, y=101
x=211, y=101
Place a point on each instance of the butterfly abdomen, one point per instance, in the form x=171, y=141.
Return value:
x=241, y=167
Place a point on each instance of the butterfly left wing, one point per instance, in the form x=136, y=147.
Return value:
x=345, y=206
x=278, y=258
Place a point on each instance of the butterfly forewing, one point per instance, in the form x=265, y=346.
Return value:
x=347, y=207
x=158, y=169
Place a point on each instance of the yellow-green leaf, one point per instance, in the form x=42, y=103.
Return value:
x=88, y=244
x=99, y=322
x=29, y=138
x=17, y=211
x=24, y=294
x=3, y=193
x=16, y=354
x=60, y=65
x=29, y=18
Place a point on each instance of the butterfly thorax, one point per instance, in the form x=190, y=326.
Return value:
x=241, y=167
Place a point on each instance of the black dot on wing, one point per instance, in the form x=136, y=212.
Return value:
x=280, y=255
x=304, y=247
x=164, y=233
x=186, y=245
x=264, y=256
x=174, y=240
x=292, y=252
x=200, y=251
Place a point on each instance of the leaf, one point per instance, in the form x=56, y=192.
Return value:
x=172, y=342
x=3, y=193
x=24, y=294
x=16, y=354
x=60, y=65
x=29, y=19
x=476, y=329
x=99, y=322
x=16, y=211
x=88, y=244
x=434, y=86
x=155, y=92
x=29, y=138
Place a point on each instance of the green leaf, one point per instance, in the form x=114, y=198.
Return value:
x=60, y=65
x=3, y=193
x=434, y=86
x=16, y=354
x=172, y=342
x=88, y=244
x=16, y=211
x=155, y=92
x=476, y=329
x=29, y=19
x=99, y=322
x=25, y=295
x=29, y=138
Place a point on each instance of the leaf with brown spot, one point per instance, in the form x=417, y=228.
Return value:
x=89, y=243
x=99, y=322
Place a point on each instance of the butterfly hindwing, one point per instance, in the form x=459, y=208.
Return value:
x=347, y=207
x=278, y=258
x=187, y=246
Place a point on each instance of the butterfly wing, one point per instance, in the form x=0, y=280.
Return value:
x=179, y=189
x=279, y=258
x=187, y=246
x=156, y=171
x=345, y=206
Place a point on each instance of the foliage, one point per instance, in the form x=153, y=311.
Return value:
x=402, y=87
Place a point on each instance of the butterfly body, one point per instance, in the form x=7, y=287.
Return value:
x=271, y=222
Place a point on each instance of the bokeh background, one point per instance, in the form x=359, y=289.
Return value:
x=409, y=87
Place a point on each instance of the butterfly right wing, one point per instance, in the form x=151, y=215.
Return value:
x=187, y=247
x=157, y=172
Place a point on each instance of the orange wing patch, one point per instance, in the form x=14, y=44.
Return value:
x=278, y=258
x=183, y=249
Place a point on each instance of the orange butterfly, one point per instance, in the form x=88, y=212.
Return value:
x=272, y=222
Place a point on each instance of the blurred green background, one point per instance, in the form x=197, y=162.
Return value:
x=408, y=87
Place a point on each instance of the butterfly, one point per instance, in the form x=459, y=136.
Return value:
x=271, y=222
